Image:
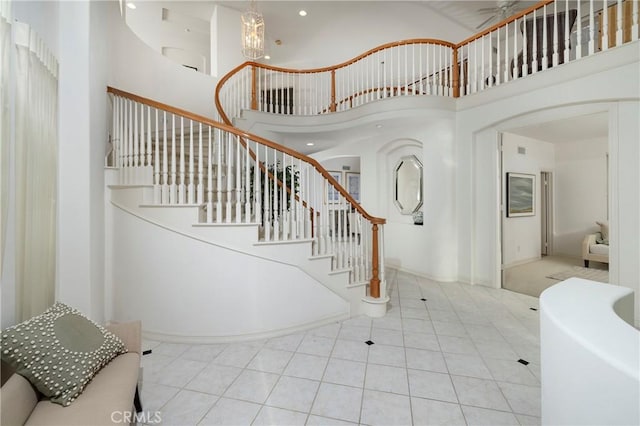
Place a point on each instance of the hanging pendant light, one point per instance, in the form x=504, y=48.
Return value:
x=252, y=33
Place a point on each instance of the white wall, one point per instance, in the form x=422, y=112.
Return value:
x=580, y=192
x=182, y=288
x=42, y=16
x=521, y=235
x=428, y=250
x=81, y=151
x=226, y=41
x=136, y=68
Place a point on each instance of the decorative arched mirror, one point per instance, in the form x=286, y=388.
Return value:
x=408, y=184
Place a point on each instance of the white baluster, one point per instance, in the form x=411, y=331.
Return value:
x=247, y=182
x=514, y=73
x=579, y=32
x=149, y=146
x=191, y=186
x=267, y=198
x=229, y=177
x=619, y=24
x=219, y=146
x=498, y=62
x=605, y=25
x=181, y=185
x=284, y=220
x=200, y=188
x=556, y=57
x=299, y=200
x=545, y=34
x=506, y=53
x=634, y=20
x=482, y=67
x=136, y=140
x=534, y=54
x=157, y=195
x=173, y=196
x=276, y=197
x=592, y=26
x=525, y=47
x=238, y=182
x=164, y=191
x=257, y=192
x=567, y=32
x=210, y=180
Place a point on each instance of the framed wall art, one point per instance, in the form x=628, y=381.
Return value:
x=521, y=189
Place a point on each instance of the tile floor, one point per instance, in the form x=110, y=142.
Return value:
x=445, y=354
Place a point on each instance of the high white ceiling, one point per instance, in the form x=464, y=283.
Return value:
x=579, y=128
x=333, y=31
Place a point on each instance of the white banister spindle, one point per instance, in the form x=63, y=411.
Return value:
x=266, y=216
x=164, y=191
x=525, y=45
x=247, y=182
x=257, y=204
x=218, y=172
x=634, y=22
x=238, y=182
x=283, y=198
x=579, y=32
x=149, y=146
x=291, y=203
x=181, y=185
x=129, y=169
x=191, y=186
x=515, y=48
x=228, y=177
x=136, y=139
x=498, y=61
x=619, y=24
x=173, y=196
x=200, y=188
x=157, y=195
x=567, y=32
x=506, y=53
x=592, y=32
x=274, y=200
x=545, y=34
x=209, y=179
x=490, y=61
x=556, y=58
x=482, y=67
x=605, y=25
x=534, y=53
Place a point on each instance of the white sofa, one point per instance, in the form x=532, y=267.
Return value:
x=591, y=250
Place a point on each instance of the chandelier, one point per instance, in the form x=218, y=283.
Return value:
x=252, y=33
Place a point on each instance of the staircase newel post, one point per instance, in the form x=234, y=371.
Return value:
x=374, y=284
x=254, y=99
x=333, y=91
x=456, y=73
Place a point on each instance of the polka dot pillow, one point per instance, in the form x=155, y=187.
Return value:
x=59, y=351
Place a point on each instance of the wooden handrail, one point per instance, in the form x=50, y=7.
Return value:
x=205, y=120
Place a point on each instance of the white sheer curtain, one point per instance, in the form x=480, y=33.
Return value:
x=5, y=120
x=36, y=135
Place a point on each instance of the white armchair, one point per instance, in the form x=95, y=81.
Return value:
x=591, y=250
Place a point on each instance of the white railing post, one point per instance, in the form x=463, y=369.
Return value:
x=191, y=186
x=173, y=195
x=157, y=194
x=181, y=185
x=605, y=25
x=164, y=191
x=210, y=179
x=592, y=26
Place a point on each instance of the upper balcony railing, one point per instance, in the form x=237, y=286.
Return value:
x=546, y=35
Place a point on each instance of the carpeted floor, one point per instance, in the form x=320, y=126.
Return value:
x=533, y=278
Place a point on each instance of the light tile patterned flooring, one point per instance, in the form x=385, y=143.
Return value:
x=451, y=359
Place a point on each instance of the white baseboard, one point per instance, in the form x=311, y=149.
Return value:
x=178, y=338
x=523, y=261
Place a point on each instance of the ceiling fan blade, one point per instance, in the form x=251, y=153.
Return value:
x=487, y=10
x=486, y=22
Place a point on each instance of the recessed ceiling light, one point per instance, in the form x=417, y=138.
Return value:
x=187, y=30
x=310, y=144
x=302, y=13
x=267, y=57
x=379, y=126
x=130, y=5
